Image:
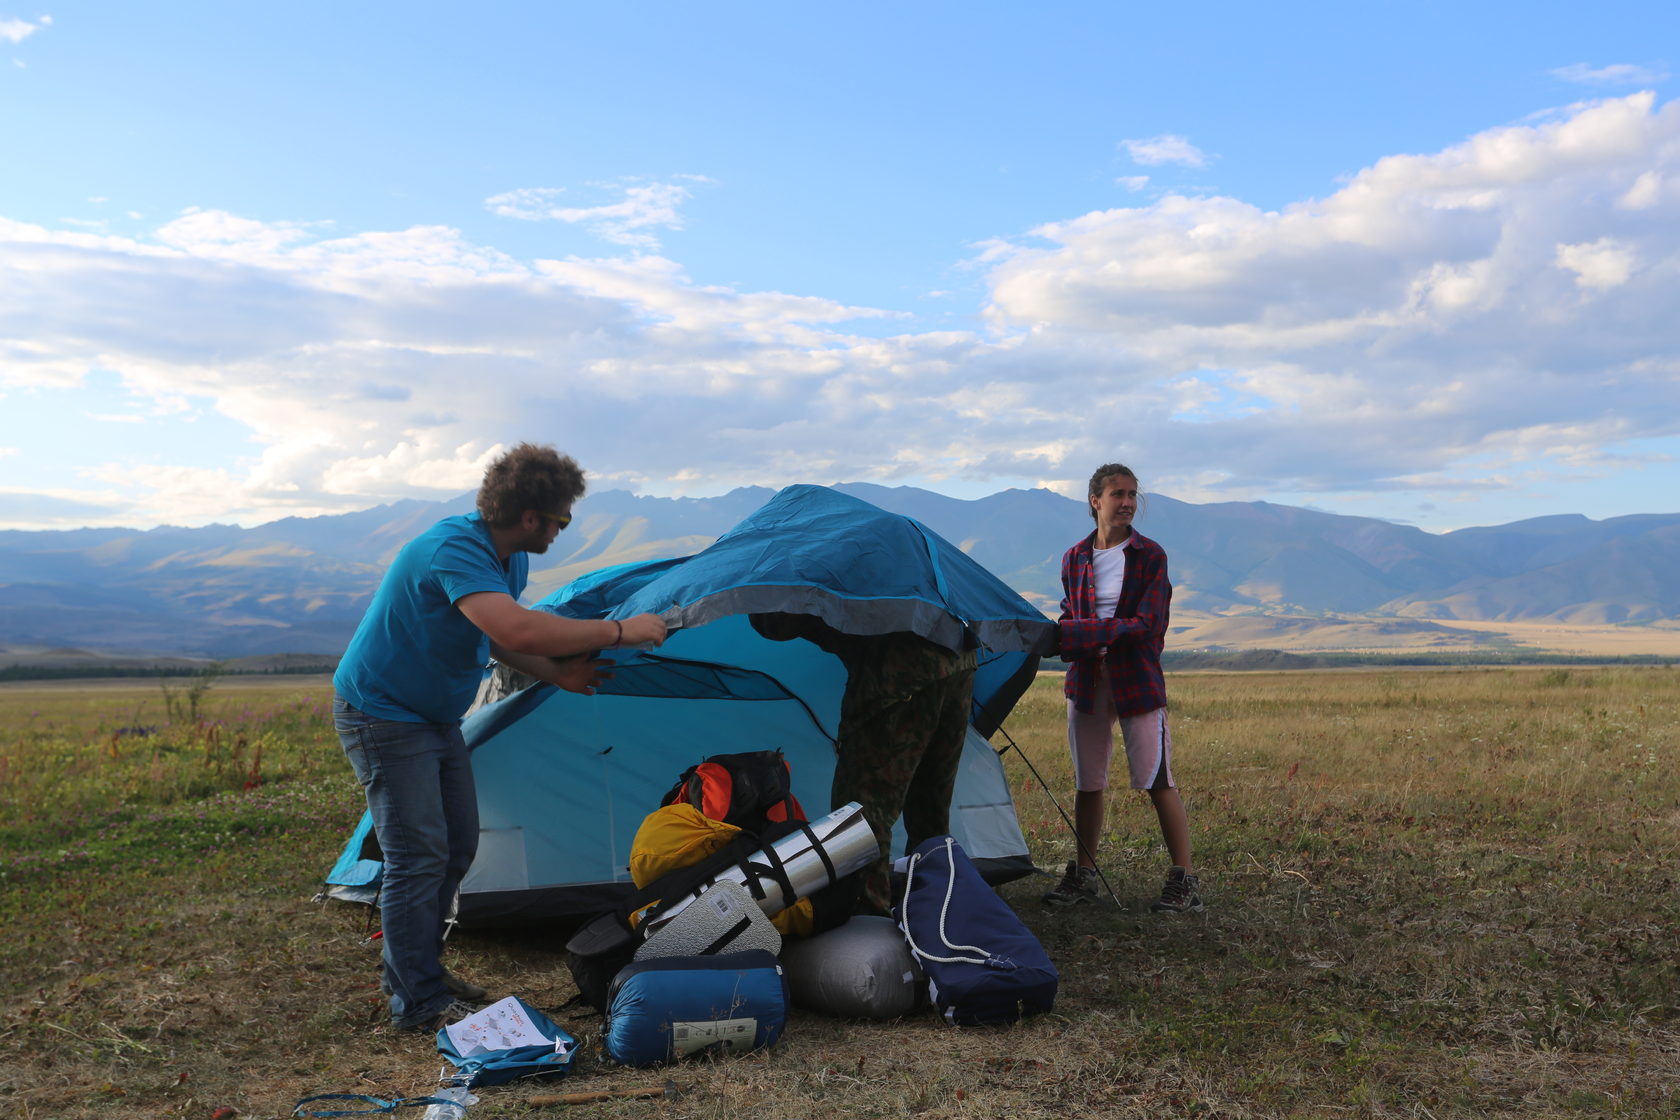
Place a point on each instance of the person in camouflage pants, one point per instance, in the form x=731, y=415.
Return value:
x=903, y=720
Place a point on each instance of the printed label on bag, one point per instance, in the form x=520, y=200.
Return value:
x=732, y=1034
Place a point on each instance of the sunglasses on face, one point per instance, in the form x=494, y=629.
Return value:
x=559, y=520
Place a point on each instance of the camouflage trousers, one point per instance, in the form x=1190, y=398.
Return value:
x=899, y=753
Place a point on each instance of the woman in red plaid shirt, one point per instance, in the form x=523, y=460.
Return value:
x=1114, y=618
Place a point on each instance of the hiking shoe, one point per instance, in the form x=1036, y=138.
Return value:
x=463, y=989
x=454, y=1013
x=1181, y=894
x=459, y=988
x=1078, y=885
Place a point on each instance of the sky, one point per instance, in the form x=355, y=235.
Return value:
x=1418, y=262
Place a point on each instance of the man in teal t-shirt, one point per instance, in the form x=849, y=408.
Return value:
x=449, y=603
x=416, y=655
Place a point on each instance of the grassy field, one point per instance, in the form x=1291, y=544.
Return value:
x=1430, y=894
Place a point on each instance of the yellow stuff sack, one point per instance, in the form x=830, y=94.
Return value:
x=679, y=835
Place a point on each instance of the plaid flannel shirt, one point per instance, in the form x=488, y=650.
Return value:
x=1130, y=641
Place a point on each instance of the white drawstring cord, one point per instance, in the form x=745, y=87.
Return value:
x=944, y=911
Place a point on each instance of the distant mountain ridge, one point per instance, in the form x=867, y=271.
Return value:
x=300, y=585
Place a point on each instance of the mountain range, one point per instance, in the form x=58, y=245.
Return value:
x=299, y=585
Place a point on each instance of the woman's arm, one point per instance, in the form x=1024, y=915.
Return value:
x=1084, y=636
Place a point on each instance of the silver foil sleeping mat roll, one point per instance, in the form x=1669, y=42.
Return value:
x=841, y=841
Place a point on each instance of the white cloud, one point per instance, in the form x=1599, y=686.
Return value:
x=61, y=508
x=16, y=30
x=389, y=364
x=215, y=234
x=1133, y=182
x=1617, y=74
x=1164, y=149
x=189, y=495
x=418, y=465
x=1598, y=265
x=1430, y=311
x=631, y=221
x=1455, y=319
x=1645, y=193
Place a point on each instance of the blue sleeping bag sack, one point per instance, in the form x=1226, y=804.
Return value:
x=983, y=965
x=667, y=1008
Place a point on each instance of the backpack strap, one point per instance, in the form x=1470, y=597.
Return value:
x=771, y=865
x=675, y=885
x=728, y=936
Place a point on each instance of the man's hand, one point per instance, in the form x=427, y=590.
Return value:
x=582, y=674
x=643, y=630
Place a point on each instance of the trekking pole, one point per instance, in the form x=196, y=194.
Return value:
x=1077, y=839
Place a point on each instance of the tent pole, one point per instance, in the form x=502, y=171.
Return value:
x=1065, y=819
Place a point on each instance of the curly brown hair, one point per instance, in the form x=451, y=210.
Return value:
x=531, y=476
x=1100, y=479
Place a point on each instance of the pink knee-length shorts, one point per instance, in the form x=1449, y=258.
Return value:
x=1091, y=739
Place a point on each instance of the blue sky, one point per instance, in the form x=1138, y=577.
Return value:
x=1409, y=261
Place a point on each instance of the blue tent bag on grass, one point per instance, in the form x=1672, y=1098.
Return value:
x=983, y=965
x=506, y=1041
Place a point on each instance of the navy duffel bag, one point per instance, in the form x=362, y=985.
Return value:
x=983, y=965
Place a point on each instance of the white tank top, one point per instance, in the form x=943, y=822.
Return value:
x=1109, y=565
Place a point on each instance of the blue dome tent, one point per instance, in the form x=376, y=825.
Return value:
x=564, y=780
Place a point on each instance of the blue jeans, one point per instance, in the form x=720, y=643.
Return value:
x=419, y=785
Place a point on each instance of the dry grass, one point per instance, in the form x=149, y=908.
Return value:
x=1318, y=633
x=1431, y=894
